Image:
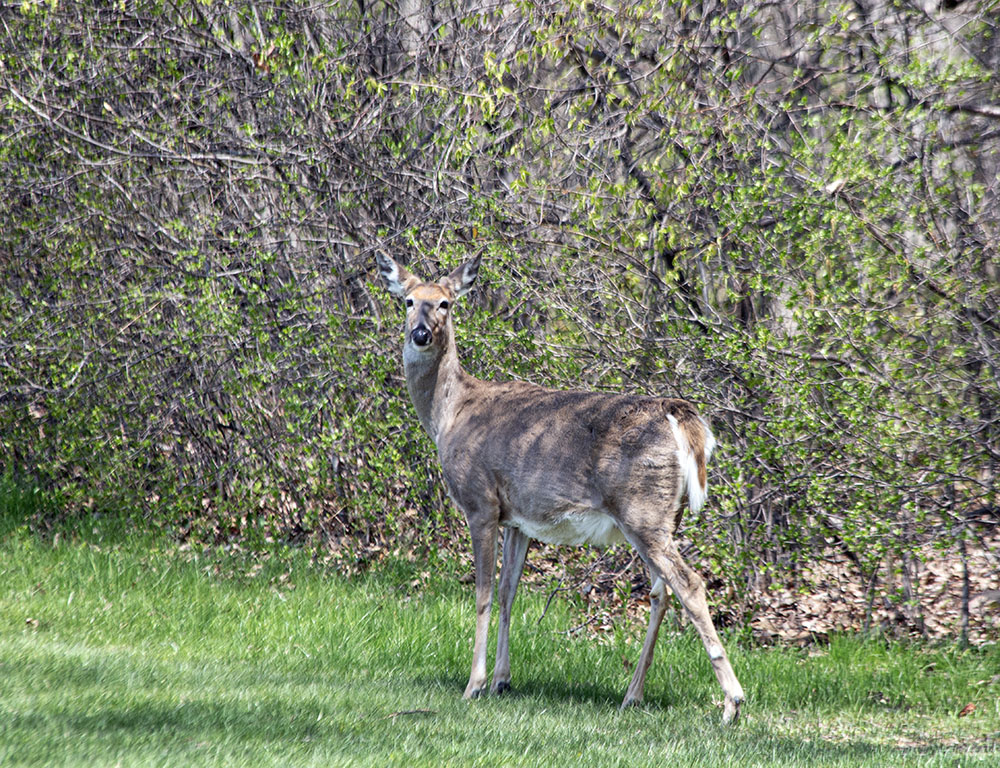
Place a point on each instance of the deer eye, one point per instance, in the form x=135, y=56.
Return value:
x=409, y=302
x=443, y=306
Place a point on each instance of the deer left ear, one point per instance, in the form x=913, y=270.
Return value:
x=461, y=279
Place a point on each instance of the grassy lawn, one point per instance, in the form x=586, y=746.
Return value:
x=133, y=653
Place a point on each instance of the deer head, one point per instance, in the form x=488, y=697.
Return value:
x=428, y=305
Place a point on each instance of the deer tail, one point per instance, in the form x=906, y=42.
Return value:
x=695, y=443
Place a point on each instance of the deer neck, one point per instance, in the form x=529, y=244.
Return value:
x=435, y=380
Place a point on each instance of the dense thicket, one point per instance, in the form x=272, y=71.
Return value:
x=784, y=211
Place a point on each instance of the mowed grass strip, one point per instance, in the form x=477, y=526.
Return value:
x=135, y=653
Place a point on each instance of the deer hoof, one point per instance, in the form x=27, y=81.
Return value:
x=630, y=701
x=501, y=687
x=473, y=692
x=731, y=711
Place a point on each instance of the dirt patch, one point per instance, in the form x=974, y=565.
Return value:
x=922, y=597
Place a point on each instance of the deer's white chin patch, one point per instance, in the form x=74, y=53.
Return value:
x=411, y=352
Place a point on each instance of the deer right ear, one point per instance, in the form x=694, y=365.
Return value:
x=398, y=279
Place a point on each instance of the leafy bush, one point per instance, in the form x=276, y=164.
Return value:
x=786, y=214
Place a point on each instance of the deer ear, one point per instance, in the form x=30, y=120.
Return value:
x=461, y=279
x=398, y=279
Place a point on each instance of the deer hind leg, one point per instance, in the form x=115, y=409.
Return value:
x=484, y=553
x=515, y=549
x=666, y=564
x=690, y=590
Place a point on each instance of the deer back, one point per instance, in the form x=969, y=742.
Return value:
x=551, y=456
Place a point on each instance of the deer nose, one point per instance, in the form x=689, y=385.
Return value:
x=421, y=336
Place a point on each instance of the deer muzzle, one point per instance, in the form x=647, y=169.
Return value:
x=420, y=336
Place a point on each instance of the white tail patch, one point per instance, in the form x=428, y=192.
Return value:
x=696, y=492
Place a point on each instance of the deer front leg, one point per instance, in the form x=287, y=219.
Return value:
x=515, y=549
x=657, y=608
x=484, y=554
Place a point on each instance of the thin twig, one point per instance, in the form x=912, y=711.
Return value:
x=410, y=712
x=548, y=602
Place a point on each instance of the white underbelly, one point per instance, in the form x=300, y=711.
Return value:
x=572, y=528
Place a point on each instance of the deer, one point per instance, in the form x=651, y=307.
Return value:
x=565, y=467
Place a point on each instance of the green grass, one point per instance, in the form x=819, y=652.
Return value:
x=120, y=652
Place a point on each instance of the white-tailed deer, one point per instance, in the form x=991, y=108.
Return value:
x=563, y=467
